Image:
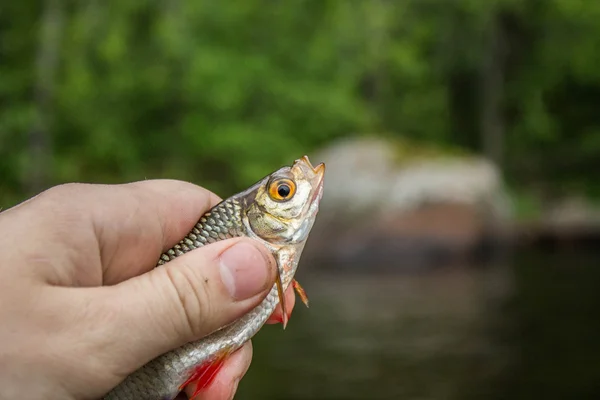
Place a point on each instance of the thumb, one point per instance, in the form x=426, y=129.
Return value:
x=190, y=297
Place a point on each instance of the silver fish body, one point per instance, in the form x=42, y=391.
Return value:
x=261, y=214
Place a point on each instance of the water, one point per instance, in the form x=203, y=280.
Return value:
x=521, y=331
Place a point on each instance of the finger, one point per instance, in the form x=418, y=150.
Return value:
x=290, y=300
x=225, y=383
x=183, y=300
x=131, y=224
x=151, y=217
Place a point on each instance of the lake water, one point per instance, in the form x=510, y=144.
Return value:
x=527, y=329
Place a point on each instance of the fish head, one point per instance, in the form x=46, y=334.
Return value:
x=284, y=205
x=280, y=211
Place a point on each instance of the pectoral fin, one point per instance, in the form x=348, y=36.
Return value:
x=281, y=295
x=204, y=374
x=301, y=292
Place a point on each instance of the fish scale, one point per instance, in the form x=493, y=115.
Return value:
x=162, y=378
x=224, y=221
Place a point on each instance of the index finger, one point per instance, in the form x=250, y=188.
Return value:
x=122, y=229
x=136, y=222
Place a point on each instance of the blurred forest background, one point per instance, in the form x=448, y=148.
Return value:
x=221, y=93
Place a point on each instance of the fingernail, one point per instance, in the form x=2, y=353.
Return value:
x=244, y=271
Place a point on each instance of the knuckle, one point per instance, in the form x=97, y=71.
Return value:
x=61, y=197
x=60, y=191
x=192, y=298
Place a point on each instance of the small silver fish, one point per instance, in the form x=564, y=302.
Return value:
x=278, y=211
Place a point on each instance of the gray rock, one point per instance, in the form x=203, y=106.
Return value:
x=417, y=211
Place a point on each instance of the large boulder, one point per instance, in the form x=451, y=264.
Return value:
x=396, y=205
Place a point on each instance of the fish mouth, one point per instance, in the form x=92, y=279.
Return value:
x=319, y=172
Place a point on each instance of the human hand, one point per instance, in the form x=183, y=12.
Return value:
x=81, y=304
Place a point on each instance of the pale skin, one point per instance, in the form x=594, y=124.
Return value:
x=81, y=304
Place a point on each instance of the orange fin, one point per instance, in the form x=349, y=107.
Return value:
x=204, y=374
x=281, y=296
x=300, y=292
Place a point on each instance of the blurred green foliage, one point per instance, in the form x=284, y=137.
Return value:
x=221, y=93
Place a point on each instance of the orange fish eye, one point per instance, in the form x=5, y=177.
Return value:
x=282, y=189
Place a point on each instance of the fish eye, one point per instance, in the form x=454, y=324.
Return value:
x=282, y=189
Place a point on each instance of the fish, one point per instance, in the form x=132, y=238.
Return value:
x=279, y=211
